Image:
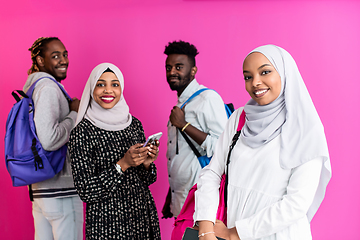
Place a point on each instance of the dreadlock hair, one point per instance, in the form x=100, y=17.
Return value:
x=37, y=49
x=182, y=47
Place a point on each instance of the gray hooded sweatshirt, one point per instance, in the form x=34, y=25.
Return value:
x=53, y=121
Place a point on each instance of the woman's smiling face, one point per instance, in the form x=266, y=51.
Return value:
x=107, y=91
x=262, y=81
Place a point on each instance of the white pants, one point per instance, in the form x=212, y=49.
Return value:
x=58, y=218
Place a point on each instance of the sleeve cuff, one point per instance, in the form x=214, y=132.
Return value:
x=205, y=142
x=243, y=229
x=73, y=115
x=114, y=177
x=118, y=168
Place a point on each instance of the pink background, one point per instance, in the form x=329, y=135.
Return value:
x=323, y=37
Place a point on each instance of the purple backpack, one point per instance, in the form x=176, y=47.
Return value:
x=26, y=160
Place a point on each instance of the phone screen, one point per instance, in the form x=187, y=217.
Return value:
x=153, y=138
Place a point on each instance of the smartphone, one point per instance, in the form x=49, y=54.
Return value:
x=151, y=139
x=192, y=234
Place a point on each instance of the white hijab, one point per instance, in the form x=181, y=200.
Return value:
x=114, y=119
x=292, y=114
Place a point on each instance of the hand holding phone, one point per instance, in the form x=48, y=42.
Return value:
x=192, y=234
x=151, y=139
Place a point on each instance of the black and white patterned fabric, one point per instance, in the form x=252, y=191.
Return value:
x=118, y=206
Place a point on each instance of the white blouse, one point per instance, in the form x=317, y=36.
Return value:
x=265, y=201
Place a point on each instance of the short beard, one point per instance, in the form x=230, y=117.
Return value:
x=183, y=83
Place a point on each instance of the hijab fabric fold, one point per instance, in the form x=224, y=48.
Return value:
x=292, y=114
x=114, y=119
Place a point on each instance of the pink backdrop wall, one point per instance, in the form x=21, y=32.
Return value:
x=323, y=37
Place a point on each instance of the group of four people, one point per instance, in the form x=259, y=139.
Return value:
x=278, y=171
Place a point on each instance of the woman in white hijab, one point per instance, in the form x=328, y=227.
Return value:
x=111, y=168
x=279, y=167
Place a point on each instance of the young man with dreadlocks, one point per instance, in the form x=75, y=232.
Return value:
x=57, y=209
x=203, y=119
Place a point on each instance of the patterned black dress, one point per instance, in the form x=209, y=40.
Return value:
x=118, y=206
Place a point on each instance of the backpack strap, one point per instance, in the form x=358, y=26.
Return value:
x=191, y=145
x=194, y=95
x=229, y=107
x=233, y=143
x=21, y=93
x=182, y=133
x=241, y=121
x=32, y=87
x=196, y=152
